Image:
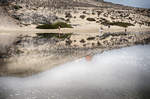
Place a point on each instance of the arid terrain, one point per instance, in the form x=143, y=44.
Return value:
x=26, y=49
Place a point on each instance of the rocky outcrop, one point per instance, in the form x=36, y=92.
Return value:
x=33, y=17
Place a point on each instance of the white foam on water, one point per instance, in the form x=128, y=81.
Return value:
x=125, y=69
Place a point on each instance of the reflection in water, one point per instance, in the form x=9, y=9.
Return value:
x=117, y=74
x=88, y=57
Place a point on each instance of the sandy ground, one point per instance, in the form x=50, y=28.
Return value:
x=92, y=28
x=34, y=62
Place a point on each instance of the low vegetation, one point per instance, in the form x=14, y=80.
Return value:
x=54, y=35
x=90, y=19
x=121, y=24
x=54, y=25
x=68, y=15
x=82, y=41
x=91, y=38
x=17, y=7
x=82, y=16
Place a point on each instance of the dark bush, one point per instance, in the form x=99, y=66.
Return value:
x=54, y=26
x=16, y=17
x=56, y=35
x=121, y=24
x=82, y=16
x=93, y=13
x=68, y=42
x=98, y=13
x=68, y=15
x=82, y=41
x=91, y=38
x=90, y=19
x=98, y=43
x=84, y=12
x=68, y=20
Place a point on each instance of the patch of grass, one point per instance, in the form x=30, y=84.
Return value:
x=90, y=19
x=54, y=35
x=54, y=25
x=121, y=24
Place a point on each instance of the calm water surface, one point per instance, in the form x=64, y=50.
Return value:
x=134, y=3
x=116, y=74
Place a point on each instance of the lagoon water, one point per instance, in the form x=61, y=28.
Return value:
x=117, y=74
x=134, y=3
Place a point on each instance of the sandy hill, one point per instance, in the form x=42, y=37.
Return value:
x=10, y=13
x=53, y=3
x=74, y=12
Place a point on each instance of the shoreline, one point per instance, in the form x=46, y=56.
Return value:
x=26, y=50
x=31, y=54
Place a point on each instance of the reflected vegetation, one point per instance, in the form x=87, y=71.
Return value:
x=57, y=35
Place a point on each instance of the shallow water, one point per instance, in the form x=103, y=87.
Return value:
x=134, y=3
x=116, y=74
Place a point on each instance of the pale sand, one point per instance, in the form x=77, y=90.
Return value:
x=90, y=29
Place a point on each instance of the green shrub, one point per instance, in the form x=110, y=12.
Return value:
x=54, y=25
x=54, y=35
x=90, y=19
x=45, y=26
x=62, y=25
